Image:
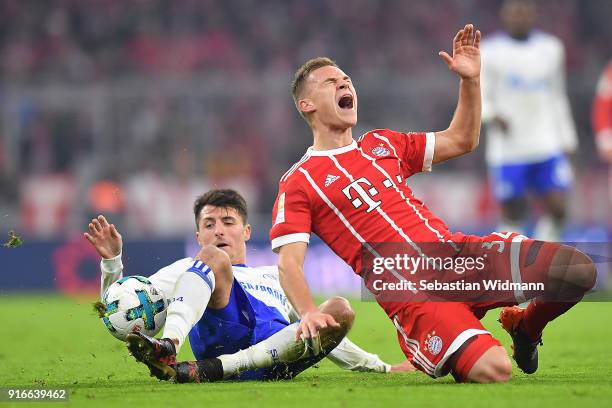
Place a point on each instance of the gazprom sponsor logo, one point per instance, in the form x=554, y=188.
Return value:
x=266, y=289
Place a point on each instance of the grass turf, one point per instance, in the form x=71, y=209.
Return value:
x=55, y=342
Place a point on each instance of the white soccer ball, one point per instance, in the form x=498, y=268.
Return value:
x=133, y=305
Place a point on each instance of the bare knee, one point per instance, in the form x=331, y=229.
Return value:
x=585, y=273
x=493, y=372
x=573, y=267
x=340, y=309
x=493, y=366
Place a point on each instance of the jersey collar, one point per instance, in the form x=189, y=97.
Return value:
x=332, y=152
x=240, y=265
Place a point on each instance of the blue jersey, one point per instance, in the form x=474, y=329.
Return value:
x=257, y=309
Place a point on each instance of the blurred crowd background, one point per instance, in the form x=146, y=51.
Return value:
x=132, y=108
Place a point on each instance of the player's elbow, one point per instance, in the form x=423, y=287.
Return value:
x=471, y=143
x=462, y=141
x=466, y=145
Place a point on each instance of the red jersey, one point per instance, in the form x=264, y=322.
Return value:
x=358, y=194
x=602, y=110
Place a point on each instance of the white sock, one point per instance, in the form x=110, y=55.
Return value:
x=281, y=347
x=191, y=296
x=548, y=229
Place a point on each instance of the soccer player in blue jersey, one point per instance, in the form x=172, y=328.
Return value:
x=237, y=317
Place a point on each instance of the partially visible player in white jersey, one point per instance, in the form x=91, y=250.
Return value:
x=530, y=130
x=237, y=317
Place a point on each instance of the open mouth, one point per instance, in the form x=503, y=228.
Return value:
x=346, y=102
x=222, y=245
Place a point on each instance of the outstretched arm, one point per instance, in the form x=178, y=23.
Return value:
x=464, y=130
x=291, y=276
x=107, y=241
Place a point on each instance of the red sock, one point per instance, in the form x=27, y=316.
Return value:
x=539, y=313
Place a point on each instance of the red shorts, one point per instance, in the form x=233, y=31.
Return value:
x=430, y=332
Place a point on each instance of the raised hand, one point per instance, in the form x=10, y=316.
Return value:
x=466, y=53
x=104, y=237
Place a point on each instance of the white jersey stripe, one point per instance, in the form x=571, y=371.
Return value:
x=289, y=239
x=406, y=199
x=430, y=144
x=418, y=360
x=455, y=345
x=415, y=346
x=515, y=270
x=294, y=167
x=418, y=356
x=380, y=210
x=346, y=223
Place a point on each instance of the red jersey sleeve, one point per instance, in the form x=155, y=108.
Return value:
x=291, y=219
x=414, y=149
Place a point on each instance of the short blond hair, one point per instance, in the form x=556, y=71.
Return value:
x=297, y=85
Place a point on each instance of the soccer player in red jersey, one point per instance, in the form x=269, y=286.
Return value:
x=353, y=193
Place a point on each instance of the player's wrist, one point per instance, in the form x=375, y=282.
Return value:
x=470, y=80
x=112, y=265
x=308, y=310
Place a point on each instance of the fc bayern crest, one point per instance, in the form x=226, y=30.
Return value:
x=380, y=151
x=433, y=344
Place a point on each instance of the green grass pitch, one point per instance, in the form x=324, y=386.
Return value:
x=51, y=341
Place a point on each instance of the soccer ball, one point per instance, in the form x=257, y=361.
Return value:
x=132, y=304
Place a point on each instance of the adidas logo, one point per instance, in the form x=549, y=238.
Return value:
x=330, y=179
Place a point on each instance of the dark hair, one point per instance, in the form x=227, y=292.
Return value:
x=225, y=198
x=302, y=73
